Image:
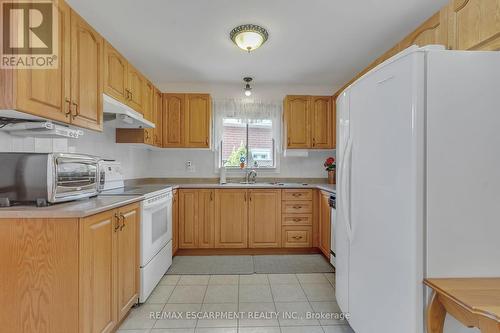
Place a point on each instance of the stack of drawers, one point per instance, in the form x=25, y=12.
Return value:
x=296, y=217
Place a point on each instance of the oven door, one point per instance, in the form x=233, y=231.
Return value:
x=156, y=226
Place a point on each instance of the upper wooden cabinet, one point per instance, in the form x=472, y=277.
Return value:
x=187, y=120
x=296, y=122
x=158, y=119
x=40, y=92
x=173, y=120
x=264, y=218
x=231, y=218
x=309, y=122
x=460, y=25
x=322, y=121
x=197, y=122
x=432, y=31
x=71, y=93
x=135, y=89
x=115, y=74
x=474, y=24
x=86, y=74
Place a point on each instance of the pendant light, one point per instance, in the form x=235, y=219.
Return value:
x=248, y=89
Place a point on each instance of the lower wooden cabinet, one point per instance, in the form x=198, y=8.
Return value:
x=264, y=218
x=69, y=275
x=251, y=218
x=297, y=236
x=324, y=223
x=97, y=265
x=196, y=218
x=109, y=256
x=175, y=221
x=231, y=218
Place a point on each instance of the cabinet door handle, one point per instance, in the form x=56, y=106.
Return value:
x=122, y=217
x=297, y=195
x=117, y=222
x=297, y=207
x=314, y=142
x=245, y=196
x=206, y=141
x=288, y=142
x=77, y=112
x=297, y=219
x=68, y=110
x=297, y=237
x=147, y=134
x=211, y=196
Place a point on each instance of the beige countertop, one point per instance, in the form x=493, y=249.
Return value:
x=73, y=209
x=87, y=207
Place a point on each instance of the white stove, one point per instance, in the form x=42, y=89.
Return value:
x=156, y=224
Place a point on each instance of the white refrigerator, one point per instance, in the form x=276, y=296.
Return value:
x=418, y=184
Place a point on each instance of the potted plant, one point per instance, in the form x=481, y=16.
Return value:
x=330, y=168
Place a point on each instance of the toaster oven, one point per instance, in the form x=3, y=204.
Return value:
x=47, y=177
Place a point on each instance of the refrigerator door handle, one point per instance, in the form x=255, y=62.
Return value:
x=346, y=197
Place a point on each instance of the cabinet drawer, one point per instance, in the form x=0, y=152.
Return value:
x=297, y=195
x=296, y=219
x=296, y=236
x=297, y=207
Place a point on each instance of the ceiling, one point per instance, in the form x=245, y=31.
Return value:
x=311, y=42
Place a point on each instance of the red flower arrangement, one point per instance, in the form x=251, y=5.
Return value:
x=329, y=164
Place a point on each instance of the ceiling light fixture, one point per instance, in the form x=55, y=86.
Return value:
x=249, y=37
x=248, y=89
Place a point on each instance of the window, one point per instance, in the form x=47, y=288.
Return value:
x=247, y=141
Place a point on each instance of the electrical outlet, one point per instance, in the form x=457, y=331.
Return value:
x=190, y=167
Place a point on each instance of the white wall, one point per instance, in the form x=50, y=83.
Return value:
x=93, y=143
x=139, y=161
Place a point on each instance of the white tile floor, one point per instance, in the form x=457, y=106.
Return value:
x=294, y=294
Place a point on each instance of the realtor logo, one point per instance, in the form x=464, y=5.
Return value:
x=29, y=35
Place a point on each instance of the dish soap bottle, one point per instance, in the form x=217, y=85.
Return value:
x=222, y=176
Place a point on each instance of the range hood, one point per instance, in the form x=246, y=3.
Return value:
x=122, y=115
x=40, y=129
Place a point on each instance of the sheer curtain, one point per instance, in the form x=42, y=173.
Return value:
x=248, y=111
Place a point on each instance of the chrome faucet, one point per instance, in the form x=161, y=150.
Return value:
x=251, y=177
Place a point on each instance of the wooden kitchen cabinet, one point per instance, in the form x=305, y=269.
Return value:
x=324, y=223
x=309, y=122
x=41, y=92
x=296, y=122
x=196, y=218
x=173, y=120
x=175, y=221
x=158, y=119
x=474, y=25
x=70, y=93
x=135, y=89
x=98, y=286
x=197, y=121
x=322, y=122
x=231, y=218
x=87, y=48
x=206, y=218
x=82, y=272
x=115, y=74
x=110, y=267
x=127, y=259
x=264, y=218
x=187, y=120
x=188, y=219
